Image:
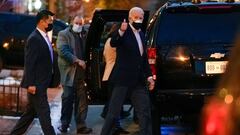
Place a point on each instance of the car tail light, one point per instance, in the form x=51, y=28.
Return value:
x=152, y=55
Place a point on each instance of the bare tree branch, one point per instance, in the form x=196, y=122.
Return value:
x=2, y=3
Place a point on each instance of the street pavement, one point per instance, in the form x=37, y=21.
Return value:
x=94, y=120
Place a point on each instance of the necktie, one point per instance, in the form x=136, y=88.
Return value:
x=50, y=47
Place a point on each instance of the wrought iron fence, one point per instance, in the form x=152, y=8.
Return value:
x=13, y=99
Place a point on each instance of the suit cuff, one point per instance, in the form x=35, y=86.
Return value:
x=150, y=77
x=75, y=59
x=120, y=32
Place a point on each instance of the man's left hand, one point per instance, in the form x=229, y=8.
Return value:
x=151, y=83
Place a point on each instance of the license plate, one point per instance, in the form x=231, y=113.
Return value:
x=215, y=67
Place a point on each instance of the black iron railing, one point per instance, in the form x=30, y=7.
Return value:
x=13, y=99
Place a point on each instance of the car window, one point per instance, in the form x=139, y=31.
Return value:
x=15, y=30
x=25, y=26
x=151, y=31
x=191, y=28
x=106, y=32
x=6, y=23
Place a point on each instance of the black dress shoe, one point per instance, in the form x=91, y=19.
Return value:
x=62, y=129
x=120, y=130
x=84, y=130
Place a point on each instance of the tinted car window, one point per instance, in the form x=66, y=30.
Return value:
x=14, y=31
x=191, y=28
x=106, y=32
x=26, y=24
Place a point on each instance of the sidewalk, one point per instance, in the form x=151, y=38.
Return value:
x=93, y=120
x=54, y=96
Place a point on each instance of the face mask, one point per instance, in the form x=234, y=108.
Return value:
x=77, y=28
x=49, y=28
x=137, y=24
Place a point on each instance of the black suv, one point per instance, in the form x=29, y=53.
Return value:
x=14, y=30
x=188, y=48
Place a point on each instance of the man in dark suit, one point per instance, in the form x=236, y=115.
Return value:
x=130, y=74
x=39, y=70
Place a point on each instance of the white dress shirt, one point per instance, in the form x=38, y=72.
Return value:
x=45, y=36
x=137, y=35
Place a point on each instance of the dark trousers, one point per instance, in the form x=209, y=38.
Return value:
x=75, y=98
x=109, y=87
x=37, y=105
x=139, y=96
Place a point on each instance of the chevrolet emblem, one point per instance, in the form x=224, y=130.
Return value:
x=217, y=55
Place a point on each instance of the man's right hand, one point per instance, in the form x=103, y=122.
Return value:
x=124, y=26
x=81, y=63
x=32, y=89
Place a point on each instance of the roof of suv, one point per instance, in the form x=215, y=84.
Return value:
x=214, y=3
x=175, y=7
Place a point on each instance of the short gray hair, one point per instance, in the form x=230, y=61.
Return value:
x=134, y=10
x=77, y=16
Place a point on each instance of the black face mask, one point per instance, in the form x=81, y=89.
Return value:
x=49, y=28
x=137, y=26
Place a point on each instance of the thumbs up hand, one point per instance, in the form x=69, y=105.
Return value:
x=124, y=25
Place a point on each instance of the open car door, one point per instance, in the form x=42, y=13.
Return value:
x=96, y=38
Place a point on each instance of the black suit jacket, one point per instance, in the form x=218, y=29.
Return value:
x=130, y=67
x=39, y=70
